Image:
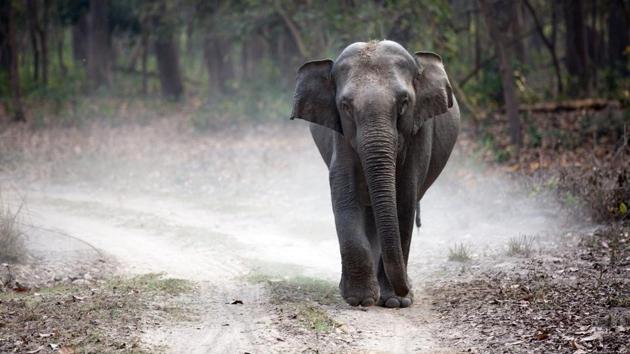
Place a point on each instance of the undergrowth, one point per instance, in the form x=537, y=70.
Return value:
x=12, y=248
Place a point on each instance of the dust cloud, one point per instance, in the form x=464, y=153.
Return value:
x=255, y=197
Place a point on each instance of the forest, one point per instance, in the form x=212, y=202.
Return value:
x=152, y=183
x=499, y=53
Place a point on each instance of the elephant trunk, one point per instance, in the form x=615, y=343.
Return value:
x=378, y=156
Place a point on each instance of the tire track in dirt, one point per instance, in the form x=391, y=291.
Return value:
x=171, y=236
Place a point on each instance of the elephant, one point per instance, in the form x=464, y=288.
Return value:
x=385, y=123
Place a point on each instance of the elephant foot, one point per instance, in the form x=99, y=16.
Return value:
x=389, y=298
x=392, y=301
x=364, y=292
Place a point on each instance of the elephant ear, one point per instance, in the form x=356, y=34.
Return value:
x=434, y=95
x=314, y=98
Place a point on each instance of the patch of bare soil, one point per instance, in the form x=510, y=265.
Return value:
x=95, y=317
x=573, y=300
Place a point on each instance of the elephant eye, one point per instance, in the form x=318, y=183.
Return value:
x=346, y=108
x=403, y=106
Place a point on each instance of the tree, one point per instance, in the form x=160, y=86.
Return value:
x=33, y=24
x=167, y=54
x=98, y=66
x=79, y=38
x=618, y=33
x=577, y=61
x=497, y=30
x=10, y=49
x=43, y=37
x=549, y=43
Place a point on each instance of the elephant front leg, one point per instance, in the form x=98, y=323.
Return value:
x=406, y=216
x=388, y=297
x=358, y=285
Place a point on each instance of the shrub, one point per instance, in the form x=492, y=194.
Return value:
x=11, y=238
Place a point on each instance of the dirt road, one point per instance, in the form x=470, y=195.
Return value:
x=223, y=210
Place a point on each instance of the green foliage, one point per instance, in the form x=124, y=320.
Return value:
x=261, y=43
x=623, y=209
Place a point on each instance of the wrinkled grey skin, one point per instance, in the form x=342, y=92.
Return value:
x=385, y=122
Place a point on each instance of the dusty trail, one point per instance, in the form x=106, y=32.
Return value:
x=147, y=235
x=263, y=208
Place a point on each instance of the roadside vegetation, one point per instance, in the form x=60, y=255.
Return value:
x=103, y=316
x=12, y=248
x=520, y=246
x=459, y=253
x=572, y=300
x=303, y=300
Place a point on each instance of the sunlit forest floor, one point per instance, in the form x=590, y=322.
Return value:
x=527, y=254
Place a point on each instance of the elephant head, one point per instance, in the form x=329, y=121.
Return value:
x=377, y=96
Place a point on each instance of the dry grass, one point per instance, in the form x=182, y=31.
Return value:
x=103, y=317
x=11, y=238
x=572, y=300
x=520, y=246
x=459, y=253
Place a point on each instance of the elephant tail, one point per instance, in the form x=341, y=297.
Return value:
x=418, y=221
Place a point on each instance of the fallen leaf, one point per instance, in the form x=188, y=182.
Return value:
x=593, y=337
x=66, y=350
x=575, y=345
x=541, y=335
x=19, y=288
x=46, y=335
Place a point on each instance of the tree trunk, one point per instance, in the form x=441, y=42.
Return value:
x=79, y=40
x=167, y=55
x=5, y=50
x=62, y=64
x=210, y=58
x=145, y=59
x=98, y=69
x=293, y=29
x=505, y=67
x=14, y=73
x=220, y=67
x=477, y=42
x=577, y=62
x=551, y=46
x=44, y=42
x=33, y=33
x=553, y=41
x=516, y=28
x=618, y=33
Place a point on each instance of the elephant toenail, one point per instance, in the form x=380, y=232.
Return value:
x=392, y=302
x=352, y=301
x=367, y=302
x=405, y=302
